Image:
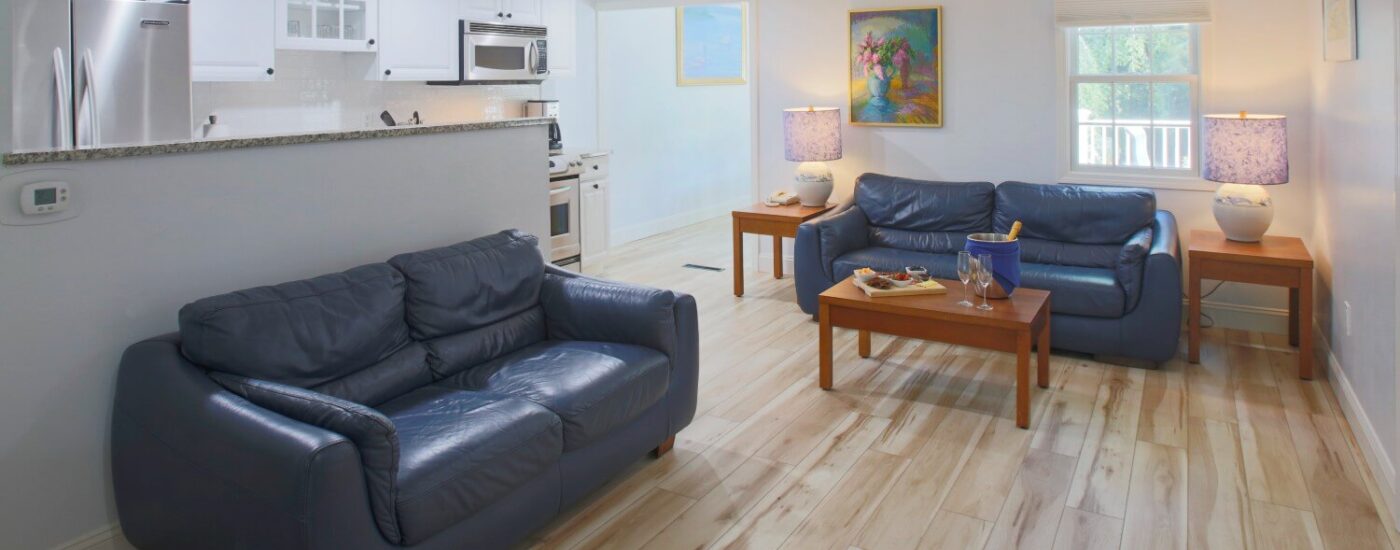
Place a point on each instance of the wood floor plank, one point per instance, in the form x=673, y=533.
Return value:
x=1209, y=391
x=1346, y=515
x=638, y=523
x=837, y=521
x=986, y=479
x=1071, y=406
x=910, y=506
x=1157, y=500
x=1283, y=528
x=952, y=531
x=1163, y=419
x=1080, y=530
x=1271, y=462
x=1101, y=480
x=1031, y=515
x=718, y=510
x=1217, y=493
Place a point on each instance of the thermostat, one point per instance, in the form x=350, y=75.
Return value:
x=45, y=197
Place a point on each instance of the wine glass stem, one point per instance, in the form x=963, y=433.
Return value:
x=984, y=297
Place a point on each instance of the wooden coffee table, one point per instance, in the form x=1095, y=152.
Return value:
x=1015, y=325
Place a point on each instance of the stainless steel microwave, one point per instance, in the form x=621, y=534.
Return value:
x=496, y=52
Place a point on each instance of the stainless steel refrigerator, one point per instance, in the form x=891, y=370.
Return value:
x=100, y=73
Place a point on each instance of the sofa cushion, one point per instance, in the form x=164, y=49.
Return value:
x=470, y=285
x=943, y=266
x=455, y=353
x=385, y=380
x=594, y=387
x=1084, y=214
x=936, y=242
x=302, y=333
x=915, y=205
x=1041, y=251
x=1073, y=290
x=462, y=451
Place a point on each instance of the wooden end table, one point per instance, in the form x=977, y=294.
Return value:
x=1015, y=325
x=1275, y=261
x=778, y=221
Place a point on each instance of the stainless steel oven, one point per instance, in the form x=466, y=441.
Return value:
x=494, y=52
x=565, y=236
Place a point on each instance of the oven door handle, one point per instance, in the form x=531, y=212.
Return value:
x=561, y=190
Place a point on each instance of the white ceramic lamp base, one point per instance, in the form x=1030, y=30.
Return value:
x=1244, y=212
x=815, y=183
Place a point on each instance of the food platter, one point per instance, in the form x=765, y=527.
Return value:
x=883, y=285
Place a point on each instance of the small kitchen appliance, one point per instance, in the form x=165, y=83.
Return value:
x=501, y=53
x=547, y=108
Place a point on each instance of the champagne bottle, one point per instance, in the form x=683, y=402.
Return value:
x=1015, y=231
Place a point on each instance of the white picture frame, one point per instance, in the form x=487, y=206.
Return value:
x=1339, y=30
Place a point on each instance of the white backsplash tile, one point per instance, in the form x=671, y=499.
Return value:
x=318, y=91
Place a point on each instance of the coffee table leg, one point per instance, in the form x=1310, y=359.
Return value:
x=1042, y=357
x=865, y=344
x=738, y=259
x=1023, y=379
x=824, y=351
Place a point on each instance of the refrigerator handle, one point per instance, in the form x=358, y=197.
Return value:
x=63, y=104
x=88, y=106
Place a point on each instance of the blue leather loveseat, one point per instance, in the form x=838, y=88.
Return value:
x=1110, y=259
x=453, y=398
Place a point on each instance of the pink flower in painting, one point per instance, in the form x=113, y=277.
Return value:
x=879, y=71
x=901, y=58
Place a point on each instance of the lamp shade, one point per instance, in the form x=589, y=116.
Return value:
x=812, y=134
x=1248, y=149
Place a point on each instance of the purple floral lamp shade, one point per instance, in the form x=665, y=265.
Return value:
x=1249, y=149
x=812, y=134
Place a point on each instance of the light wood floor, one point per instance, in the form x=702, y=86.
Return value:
x=917, y=446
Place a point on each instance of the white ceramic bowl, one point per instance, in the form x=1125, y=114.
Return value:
x=865, y=278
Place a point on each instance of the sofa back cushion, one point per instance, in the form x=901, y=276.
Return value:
x=1080, y=214
x=933, y=242
x=303, y=333
x=926, y=206
x=471, y=285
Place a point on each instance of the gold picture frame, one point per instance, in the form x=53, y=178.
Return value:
x=743, y=77
x=931, y=99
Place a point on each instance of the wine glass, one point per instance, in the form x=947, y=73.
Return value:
x=984, y=278
x=965, y=271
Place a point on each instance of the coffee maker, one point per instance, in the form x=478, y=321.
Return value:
x=547, y=108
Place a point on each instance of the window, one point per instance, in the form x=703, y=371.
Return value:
x=1134, y=98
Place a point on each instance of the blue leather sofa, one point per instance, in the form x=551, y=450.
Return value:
x=1110, y=259
x=453, y=398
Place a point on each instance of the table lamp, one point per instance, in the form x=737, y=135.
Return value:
x=812, y=136
x=1244, y=153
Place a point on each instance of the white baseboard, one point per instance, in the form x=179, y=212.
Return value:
x=103, y=538
x=636, y=232
x=1377, y=459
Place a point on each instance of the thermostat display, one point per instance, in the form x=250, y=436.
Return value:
x=44, y=198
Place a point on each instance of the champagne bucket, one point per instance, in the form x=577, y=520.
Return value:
x=1006, y=263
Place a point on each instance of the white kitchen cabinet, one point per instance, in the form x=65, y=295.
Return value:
x=596, y=207
x=521, y=12
x=418, y=41
x=328, y=25
x=233, y=40
x=561, y=16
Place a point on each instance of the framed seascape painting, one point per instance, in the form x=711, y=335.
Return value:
x=897, y=67
x=1339, y=30
x=712, y=44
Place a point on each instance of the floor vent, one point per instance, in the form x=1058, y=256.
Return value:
x=703, y=267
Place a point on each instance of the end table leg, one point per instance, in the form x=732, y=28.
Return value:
x=1023, y=380
x=738, y=260
x=824, y=349
x=1294, y=318
x=865, y=344
x=777, y=257
x=1042, y=352
x=1305, y=327
x=1194, y=317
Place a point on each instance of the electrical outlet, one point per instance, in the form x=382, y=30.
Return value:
x=1346, y=321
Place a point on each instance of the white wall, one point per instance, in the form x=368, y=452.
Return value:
x=1355, y=206
x=1002, y=99
x=578, y=93
x=680, y=154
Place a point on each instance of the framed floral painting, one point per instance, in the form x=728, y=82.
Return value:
x=1339, y=30
x=897, y=67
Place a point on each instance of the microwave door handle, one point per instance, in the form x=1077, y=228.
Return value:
x=63, y=103
x=534, y=58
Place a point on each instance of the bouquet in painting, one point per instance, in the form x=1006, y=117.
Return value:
x=884, y=57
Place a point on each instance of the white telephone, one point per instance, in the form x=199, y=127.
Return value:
x=781, y=198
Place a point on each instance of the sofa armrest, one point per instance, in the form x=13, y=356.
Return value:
x=578, y=307
x=1156, y=321
x=186, y=451
x=1131, y=264
x=819, y=243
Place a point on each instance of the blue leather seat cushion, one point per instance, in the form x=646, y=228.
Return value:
x=470, y=285
x=1039, y=251
x=1084, y=214
x=942, y=266
x=936, y=242
x=1073, y=290
x=915, y=205
x=593, y=387
x=460, y=452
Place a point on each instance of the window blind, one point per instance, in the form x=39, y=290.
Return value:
x=1088, y=13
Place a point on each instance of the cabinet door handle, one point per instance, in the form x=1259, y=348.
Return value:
x=500, y=14
x=371, y=41
x=388, y=72
x=271, y=71
x=595, y=186
x=509, y=15
x=595, y=166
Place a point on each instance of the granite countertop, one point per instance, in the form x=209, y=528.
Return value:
x=38, y=157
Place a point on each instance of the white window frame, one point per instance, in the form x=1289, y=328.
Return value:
x=1160, y=178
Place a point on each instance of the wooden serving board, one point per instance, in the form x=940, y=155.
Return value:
x=910, y=290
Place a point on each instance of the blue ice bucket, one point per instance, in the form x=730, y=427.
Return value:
x=1006, y=262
